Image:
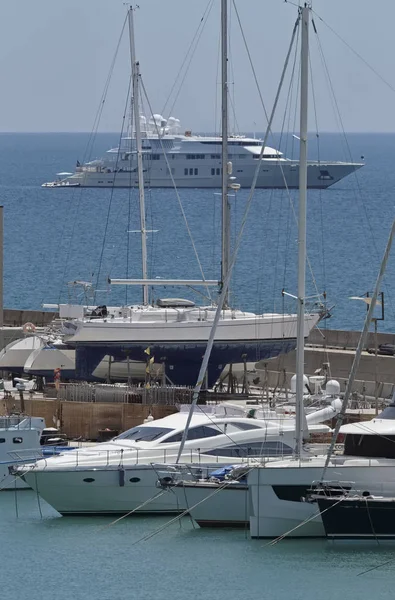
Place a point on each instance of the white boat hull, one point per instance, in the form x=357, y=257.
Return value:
x=273, y=174
x=182, y=344
x=277, y=494
x=211, y=506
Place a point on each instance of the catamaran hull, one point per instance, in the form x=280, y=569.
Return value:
x=278, y=505
x=182, y=360
x=211, y=506
x=272, y=175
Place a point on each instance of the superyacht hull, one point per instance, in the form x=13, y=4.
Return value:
x=273, y=175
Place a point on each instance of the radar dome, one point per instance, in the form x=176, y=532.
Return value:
x=333, y=388
x=293, y=383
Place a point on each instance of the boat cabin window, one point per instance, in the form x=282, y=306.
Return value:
x=245, y=426
x=2, y=440
x=143, y=434
x=373, y=446
x=195, y=433
x=17, y=440
x=253, y=449
x=388, y=413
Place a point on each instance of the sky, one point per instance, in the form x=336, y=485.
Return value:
x=55, y=56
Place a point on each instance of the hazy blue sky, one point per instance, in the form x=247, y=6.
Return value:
x=55, y=57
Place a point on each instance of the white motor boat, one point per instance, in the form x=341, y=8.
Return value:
x=19, y=443
x=120, y=476
x=279, y=492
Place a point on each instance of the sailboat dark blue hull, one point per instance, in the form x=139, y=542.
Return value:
x=182, y=360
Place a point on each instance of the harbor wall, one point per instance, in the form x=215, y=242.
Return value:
x=13, y=317
x=375, y=375
x=85, y=419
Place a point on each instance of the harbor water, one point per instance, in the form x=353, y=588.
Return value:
x=91, y=558
x=53, y=236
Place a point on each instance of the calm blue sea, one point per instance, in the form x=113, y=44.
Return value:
x=59, y=235
x=55, y=236
x=90, y=559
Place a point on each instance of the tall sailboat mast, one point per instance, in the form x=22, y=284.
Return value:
x=225, y=259
x=140, y=173
x=304, y=70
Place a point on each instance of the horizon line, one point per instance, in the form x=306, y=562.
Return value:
x=197, y=132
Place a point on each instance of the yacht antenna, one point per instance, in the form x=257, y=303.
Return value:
x=225, y=167
x=304, y=71
x=139, y=154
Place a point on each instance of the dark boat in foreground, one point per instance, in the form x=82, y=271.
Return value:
x=360, y=516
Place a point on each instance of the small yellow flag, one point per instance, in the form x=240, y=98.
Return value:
x=151, y=360
x=148, y=350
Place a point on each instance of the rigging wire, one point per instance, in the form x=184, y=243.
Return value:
x=192, y=50
x=365, y=62
x=176, y=192
x=250, y=60
x=104, y=96
x=191, y=57
x=217, y=114
x=112, y=189
x=86, y=154
x=358, y=197
x=232, y=74
x=269, y=131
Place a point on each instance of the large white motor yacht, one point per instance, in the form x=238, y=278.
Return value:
x=119, y=476
x=194, y=161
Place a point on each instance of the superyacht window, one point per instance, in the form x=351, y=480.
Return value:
x=388, y=413
x=245, y=426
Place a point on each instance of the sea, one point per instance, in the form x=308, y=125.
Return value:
x=56, y=236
